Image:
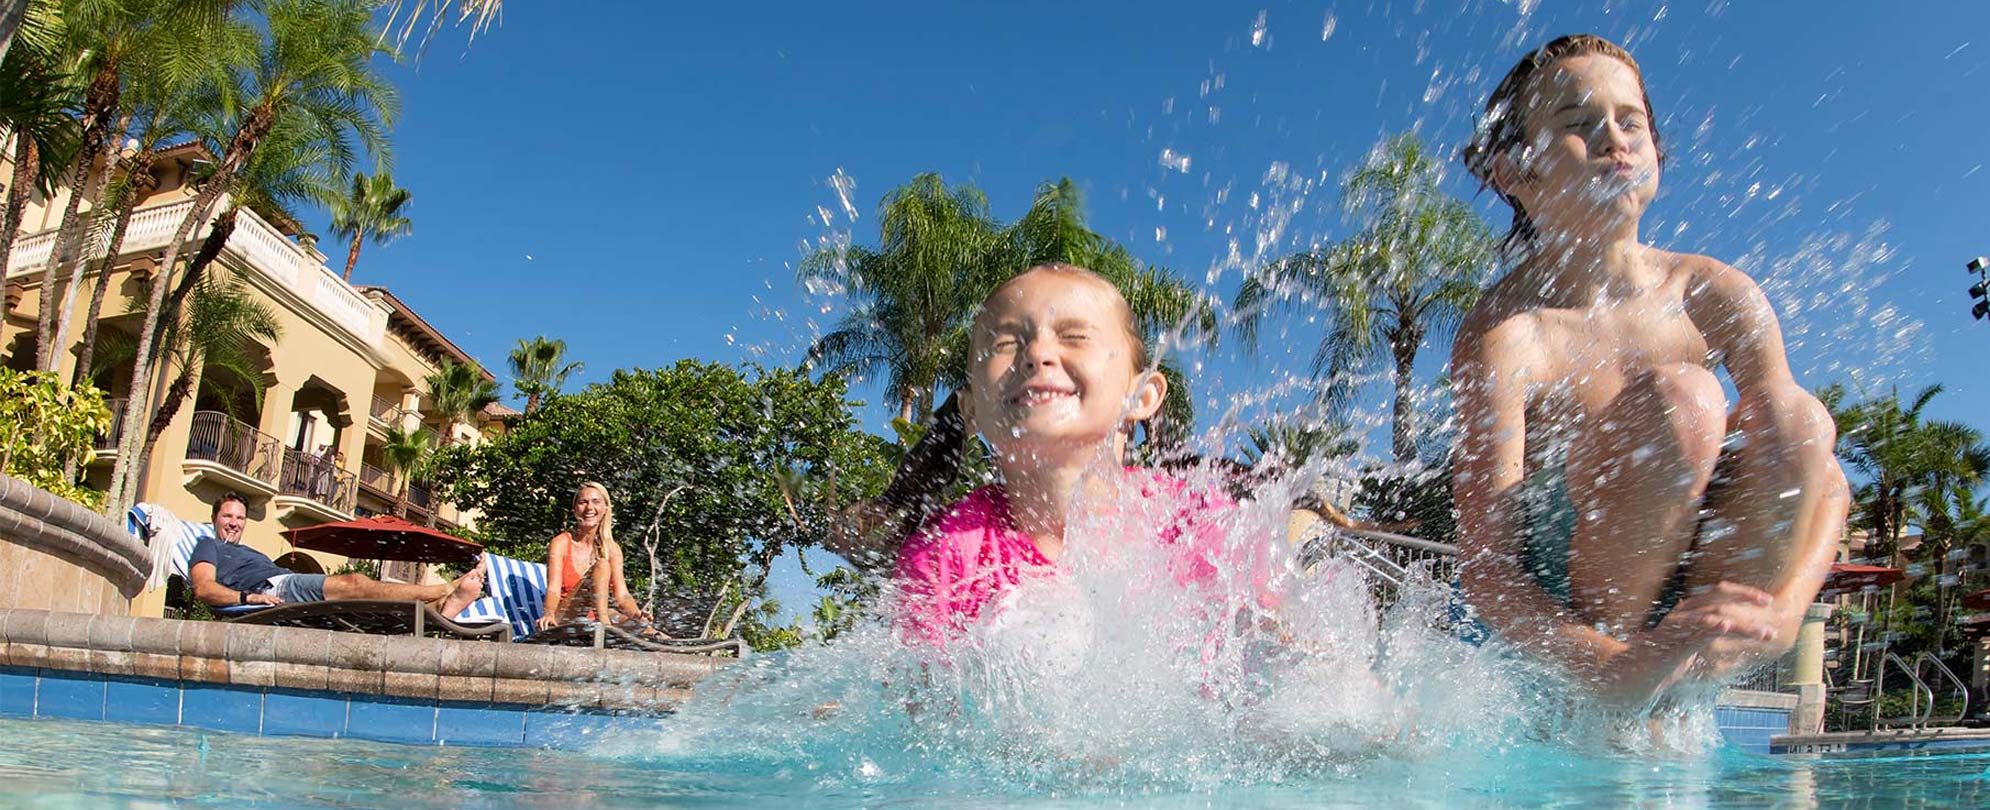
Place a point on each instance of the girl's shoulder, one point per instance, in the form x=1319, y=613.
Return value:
x=983, y=512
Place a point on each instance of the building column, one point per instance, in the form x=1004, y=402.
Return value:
x=410, y=408
x=1806, y=671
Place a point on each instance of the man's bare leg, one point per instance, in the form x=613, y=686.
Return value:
x=1636, y=475
x=451, y=596
x=1775, y=525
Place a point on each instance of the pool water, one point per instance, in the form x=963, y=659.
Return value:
x=63, y=764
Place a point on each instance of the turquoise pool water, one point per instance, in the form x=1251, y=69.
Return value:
x=64, y=764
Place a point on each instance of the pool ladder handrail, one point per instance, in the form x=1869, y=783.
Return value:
x=1949, y=675
x=1918, y=714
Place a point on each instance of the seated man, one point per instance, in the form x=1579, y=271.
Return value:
x=225, y=573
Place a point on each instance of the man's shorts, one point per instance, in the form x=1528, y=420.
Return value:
x=297, y=587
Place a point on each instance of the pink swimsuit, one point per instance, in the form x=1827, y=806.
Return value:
x=960, y=562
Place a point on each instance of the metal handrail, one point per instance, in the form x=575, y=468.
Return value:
x=1918, y=714
x=1963, y=688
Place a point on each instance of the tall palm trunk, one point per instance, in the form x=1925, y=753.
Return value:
x=27, y=166
x=125, y=475
x=1402, y=444
x=184, y=384
x=99, y=104
x=352, y=254
x=142, y=184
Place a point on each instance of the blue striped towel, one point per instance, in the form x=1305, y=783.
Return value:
x=518, y=595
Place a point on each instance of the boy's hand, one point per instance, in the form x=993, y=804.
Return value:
x=1728, y=626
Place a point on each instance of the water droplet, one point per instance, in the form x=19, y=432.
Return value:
x=1327, y=28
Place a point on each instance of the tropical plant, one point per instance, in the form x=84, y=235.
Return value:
x=536, y=370
x=406, y=455
x=35, y=24
x=405, y=17
x=455, y=393
x=215, y=343
x=38, y=103
x=186, y=42
x=371, y=210
x=1408, y=275
x=1899, y=453
x=312, y=75
x=45, y=427
x=691, y=455
x=939, y=254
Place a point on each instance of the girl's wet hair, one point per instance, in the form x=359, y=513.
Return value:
x=920, y=486
x=1503, y=127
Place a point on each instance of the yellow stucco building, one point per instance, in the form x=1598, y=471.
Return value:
x=350, y=362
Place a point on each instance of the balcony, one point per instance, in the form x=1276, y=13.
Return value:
x=315, y=489
x=106, y=442
x=265, y=250
x=232, y=452
x=376, y=481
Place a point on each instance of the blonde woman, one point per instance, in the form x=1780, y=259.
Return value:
x=586, y=561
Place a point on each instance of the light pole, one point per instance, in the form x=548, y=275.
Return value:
x=1980, y=291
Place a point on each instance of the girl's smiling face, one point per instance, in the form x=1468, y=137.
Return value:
x=1589, y=161
x=1054, y=364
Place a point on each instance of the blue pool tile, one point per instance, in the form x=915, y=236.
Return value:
x=565, y=730
x=478, y=724
x=221, y=708
x=391, y=719
x=70, y=695
x=17, y=692
x=304, y=713
x=142, y=700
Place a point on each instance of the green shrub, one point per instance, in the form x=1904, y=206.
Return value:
x=47, y=427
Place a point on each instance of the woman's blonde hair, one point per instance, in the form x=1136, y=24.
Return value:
x=606, y=533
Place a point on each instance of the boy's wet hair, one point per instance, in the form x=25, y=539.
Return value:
x=1503, y=127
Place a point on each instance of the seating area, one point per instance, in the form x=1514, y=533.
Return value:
x=515, y=598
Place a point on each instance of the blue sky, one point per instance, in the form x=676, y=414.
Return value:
x=639, y=178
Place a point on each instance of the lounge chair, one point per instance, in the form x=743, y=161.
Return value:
x=173, y=540
x=518, y=597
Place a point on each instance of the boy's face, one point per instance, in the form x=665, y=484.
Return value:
x=1591, y=163
x=1052, y=364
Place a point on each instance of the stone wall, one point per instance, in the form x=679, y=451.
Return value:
x=262, y=657
x=58, y=555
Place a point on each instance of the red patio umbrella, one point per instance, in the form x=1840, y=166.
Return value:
x=385, y=537
x=1853, y=577
x=1979, y=600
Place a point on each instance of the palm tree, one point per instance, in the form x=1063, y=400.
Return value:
x=37, y=107
x=1901, y=454
x=312, y=72
x=165, y=111
x=939, y=254
x=936, y=258
x=429, y=16
x=536, y=370
x=405, y=454
x=1409, y=274
x=456, y=392
x=35, y=24
x=184, y=41
x=371, y=211
x=215, y=346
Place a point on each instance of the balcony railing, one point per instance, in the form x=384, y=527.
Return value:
x=376, y=478
x=385, y=410
x=316, y=478
x=265, y=249
x=108, y=439
x=421, y=495
x=227, y=441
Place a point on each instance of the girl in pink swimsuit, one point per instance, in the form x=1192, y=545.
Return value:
x=1057, y=379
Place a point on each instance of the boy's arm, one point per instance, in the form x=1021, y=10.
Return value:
x=1491, y=386
x=1740, y=325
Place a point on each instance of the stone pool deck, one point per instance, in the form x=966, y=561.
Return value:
x=280, y=680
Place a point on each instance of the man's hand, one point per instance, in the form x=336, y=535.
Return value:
x=261, y=599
